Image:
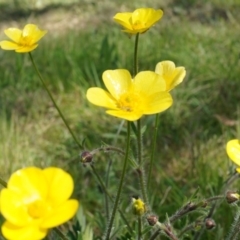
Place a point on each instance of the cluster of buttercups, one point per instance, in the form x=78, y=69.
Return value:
x=36, y=200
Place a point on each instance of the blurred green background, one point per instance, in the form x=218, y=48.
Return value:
x=82, y=42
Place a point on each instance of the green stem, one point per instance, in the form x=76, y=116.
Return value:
x=139, y=228
x=153, y=149
x=3, y=183
x=60, y=234
x=141, y=172
x=109, y=196
x=234, y=231
x=135, y=60
x=106, y=184
x=116, y=202
x=54, y=103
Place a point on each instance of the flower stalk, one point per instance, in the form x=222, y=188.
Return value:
x=135, y=59
x=234, y=231
x=109, y=196
x=153, y=150
x=54, y=102
x=117, y=199
x=140, y=171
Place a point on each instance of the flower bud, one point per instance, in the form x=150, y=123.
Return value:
x=86, y=157
x=138, y=206
x=232, y=196
x=209, y=223
x=152, y=220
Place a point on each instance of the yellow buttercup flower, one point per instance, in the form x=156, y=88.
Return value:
x=22, y=40
x=138, y=21
x=233, y=151
x=172, y=75
x=36, y=200
x=131, y=98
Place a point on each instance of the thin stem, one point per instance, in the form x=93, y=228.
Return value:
x=139, y=228
x=135, y=60
x=190, y=227
x=107, y=193
x=228, y=182
x=155, y=234
x=153, y=150
x=60, y=234
x=53, y=101
x=234, y=231
x=117, y=199
x=107, y=149
x=140, y=171
x=164, y=228
x=106, y=184
x=190, y=207
x=3, y=183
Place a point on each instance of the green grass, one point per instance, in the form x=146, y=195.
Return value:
x=203, y=36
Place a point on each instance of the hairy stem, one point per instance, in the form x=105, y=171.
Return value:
x=141, y=172
x=109, y=196
x=117, y=199
x=53, y=101
x=153, y=149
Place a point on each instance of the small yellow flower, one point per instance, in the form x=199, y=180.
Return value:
x=23, y=40
x=131, y=98
x=171, y=74
x=233, y=151
x=138, y=21
x=138, y=206
x=36, y=200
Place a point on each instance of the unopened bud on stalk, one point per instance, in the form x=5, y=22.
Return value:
x=232, y=196
x=210, y=223
x=152, y=220
x=86, y=157
x=138, y=206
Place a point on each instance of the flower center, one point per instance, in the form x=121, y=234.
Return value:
x=25, y=40
x=129, y=102
x=138, y=25
x=37, y=209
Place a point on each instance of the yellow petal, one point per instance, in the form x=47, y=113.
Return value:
x=165, y=67
x=61, y=214
x=130, y=116
x=13, y=208
x=6, y=45
x=148, y=83
x=233, y=150
x=30, y=183
x=60, y=185
x=146, y=16
x=31, y=30
x=14, y=34
x=158, y=102
x=172, y=75
x=117, y=82
x=24, y=49
x=29, y=232
x=123, y=19
x=100, y=97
